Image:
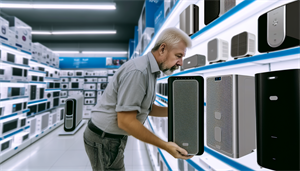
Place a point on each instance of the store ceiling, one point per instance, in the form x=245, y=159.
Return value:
x=123, y=20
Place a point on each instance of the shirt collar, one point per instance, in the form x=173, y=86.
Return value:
x=153, y=63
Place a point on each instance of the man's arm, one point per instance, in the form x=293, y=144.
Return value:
x=128, y=122
x=159, y=111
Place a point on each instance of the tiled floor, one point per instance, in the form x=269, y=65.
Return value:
x=66, y=153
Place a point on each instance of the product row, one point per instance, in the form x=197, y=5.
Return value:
x=242, y=114
x=82, y=73
x=36, y=124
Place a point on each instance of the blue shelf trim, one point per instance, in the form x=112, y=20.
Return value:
x=219, y=20
x=165, y=19
x=37, y=82
x=52, y=78
x=163, y=157
x=24, y=51
x=9, y=46
x=27, y=127
x=90, y=82
x=159, y=103
x=37, y=101
x=232, y=163
x=14, y=133
x=13, y=98
x=7, y=62
x=192, y=163
x=162, y=97
x=8, y=116
x=25, y=111
x=33, y=60
x=271, y=55
x=53, y=89
x=37, y=71
x=95, y=76
x=226, y=160
x=8, y=81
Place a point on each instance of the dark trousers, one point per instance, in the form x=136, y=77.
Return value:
x=105, y=154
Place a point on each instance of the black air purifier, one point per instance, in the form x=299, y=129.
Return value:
x=278, y=119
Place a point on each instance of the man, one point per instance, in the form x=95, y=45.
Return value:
x=129, y=99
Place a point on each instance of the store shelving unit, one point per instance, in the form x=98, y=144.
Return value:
x=15, y=148
x=242, y=17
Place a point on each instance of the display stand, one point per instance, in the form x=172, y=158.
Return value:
x=63, y=133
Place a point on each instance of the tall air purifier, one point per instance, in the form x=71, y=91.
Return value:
x=230, y=114
x=73, y=112
x=186, y=113
x=278, y=119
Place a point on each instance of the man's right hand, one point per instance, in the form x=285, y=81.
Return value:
x=176, y=151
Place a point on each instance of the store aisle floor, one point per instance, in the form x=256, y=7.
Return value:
x=66, y=153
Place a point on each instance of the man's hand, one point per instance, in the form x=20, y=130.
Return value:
x=176, y=151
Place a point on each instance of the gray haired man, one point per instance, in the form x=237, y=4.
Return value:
x=129, y=99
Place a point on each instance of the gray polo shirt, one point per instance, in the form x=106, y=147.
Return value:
x=132, y=88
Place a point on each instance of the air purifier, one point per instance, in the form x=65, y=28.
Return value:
x=194, y=61
x=217, y=51
x=277, y=103
x=186, y=113
x=73, y=112
x=213, y=9
x=230, y=114
x=243, y=45
x=189, y=20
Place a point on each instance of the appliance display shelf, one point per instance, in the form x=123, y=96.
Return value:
x=37, y=71
x=43, y=64
x=36, y=101
x=287, y=54
x=14, y=133
x=89, y=90
x=29, y=116
x=11, y=63
x=14, y=114
x=72, y=89
x=213, y=28
x=15, y=48
x=13, y=98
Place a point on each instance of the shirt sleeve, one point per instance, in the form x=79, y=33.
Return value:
x=131, y=91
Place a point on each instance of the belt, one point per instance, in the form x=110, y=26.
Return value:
x=98, y=131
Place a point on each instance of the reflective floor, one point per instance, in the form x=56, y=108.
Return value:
x=66, y=153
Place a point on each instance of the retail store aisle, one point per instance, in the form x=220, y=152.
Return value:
x=66, y=153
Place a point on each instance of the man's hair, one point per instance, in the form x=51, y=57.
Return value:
x=172, y=36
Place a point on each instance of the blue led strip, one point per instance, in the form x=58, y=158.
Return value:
x=165, y=19
x=192, y=163
x=10, y=46
x=223, y=158
x=37, y=101
x=229, y=13
x=276, y=54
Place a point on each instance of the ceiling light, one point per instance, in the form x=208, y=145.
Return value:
x=104, y=52
x=73, y=32
x=104, y=6
x=66, y=51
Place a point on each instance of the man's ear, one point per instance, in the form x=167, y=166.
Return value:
x=162, y=48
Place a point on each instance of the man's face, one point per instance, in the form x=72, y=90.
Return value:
x=172, y=58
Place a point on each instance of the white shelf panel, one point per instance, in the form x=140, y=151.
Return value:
x=15, y=50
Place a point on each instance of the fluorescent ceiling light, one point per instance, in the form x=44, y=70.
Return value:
x=104, y=52
x=66, y=51
x=104, y=6
x=73, y=32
